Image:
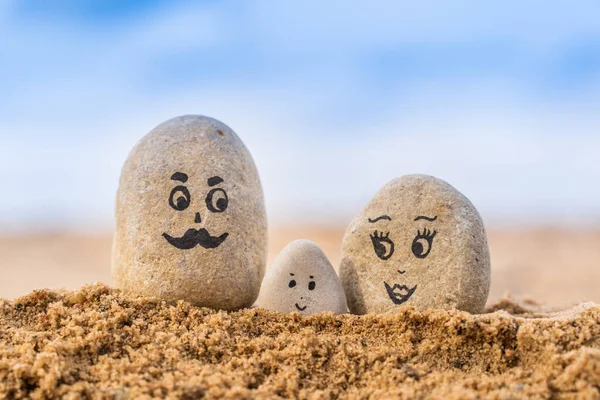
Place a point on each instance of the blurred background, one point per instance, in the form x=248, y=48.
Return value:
x=333, y=99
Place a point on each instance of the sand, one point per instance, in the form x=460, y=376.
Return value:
x=96, y=343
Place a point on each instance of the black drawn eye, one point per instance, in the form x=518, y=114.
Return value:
x=422, y=243
x=292, y=283
x=179, y=198
x=217, y=200
x=382, y=244
x=312, y=285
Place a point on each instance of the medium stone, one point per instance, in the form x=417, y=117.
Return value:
x=418, y=242
x=301, y=279
x=190, y=217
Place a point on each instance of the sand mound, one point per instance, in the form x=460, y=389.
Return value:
x=97, y=343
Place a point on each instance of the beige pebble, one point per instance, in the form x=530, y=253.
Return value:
x=418, y=242
x=301, y=279
x=190, y=217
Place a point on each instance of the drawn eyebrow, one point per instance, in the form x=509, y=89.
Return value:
x=378, y=218
x=291, y=274
x=179, y=176
x=215, y=180
x=427, y=218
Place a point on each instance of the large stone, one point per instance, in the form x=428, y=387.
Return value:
x=301, y=279
x=418, y=242
x=190, y=217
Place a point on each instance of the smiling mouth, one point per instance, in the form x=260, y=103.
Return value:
x=399, y=293
x=193, y=237
x=300, y=308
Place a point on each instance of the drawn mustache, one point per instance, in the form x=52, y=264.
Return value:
x=193, y=237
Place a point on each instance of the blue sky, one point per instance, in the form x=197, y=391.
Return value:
x=333, y=98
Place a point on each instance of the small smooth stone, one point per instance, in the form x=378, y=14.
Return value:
x=190, y=217
x=418, y=242
x=301, y=279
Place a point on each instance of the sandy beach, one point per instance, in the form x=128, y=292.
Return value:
x=94, y=342
x=559, y=267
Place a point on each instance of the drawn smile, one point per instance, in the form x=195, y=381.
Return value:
x=399, y=293
x=193, y=237
x=300, y=308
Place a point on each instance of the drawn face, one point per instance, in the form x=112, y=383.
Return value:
x=180, y=199
x=301, y=290
x=418, y=242
x=419, y=248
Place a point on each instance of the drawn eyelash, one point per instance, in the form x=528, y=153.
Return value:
x=379, y=235
x=426, y=233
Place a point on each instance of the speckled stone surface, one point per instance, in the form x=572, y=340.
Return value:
x=418, y=242
x=301, y=279
x=190, y=217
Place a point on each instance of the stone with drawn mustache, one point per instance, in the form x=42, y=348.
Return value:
x=418, y=242
x=190, y=217
x=301, y=279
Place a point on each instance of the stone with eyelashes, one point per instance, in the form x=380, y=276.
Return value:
x=301, y=279
x=418, y=242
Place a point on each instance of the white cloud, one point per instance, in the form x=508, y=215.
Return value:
x=512, y=164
